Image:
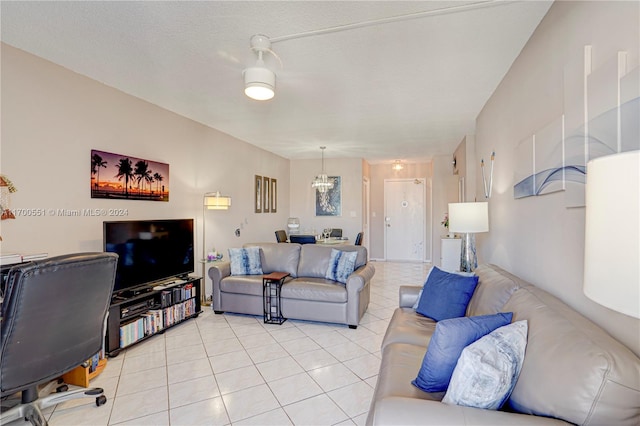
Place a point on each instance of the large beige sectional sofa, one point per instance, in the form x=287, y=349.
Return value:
x=306, y=293
x=573, y=371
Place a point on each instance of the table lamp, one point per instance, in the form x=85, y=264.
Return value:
x=468, y=219
x=612, y=232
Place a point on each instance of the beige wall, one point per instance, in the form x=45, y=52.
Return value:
x=539, y=238
x=52, y=118
x=302, y=196
x=378, y=173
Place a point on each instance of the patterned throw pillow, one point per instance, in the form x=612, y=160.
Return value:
x=341, y=265
x=449, y=339
x=245, y=261
x=488, y=369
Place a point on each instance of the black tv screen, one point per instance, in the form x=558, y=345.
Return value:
x=150, y=250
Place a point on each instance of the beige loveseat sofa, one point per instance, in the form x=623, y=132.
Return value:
x=306, y=293
x=573, y=371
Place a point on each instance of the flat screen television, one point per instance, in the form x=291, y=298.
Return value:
x=149, y=250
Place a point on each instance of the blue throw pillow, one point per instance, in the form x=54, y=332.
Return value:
x=341, y=265
x=464, y=274
x=245, y=261
x=488, y=369
x=449, y=339
x=446, y=295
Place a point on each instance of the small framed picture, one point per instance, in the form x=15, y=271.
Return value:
x=266, y=187
x=258, y=194
x=274, y=195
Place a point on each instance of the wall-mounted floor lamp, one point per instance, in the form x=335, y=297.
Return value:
x=211, y=201
x=612, y=232
x=468, y=219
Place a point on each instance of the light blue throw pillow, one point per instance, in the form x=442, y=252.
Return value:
x=446, y=295
x=341, y=265
x=450, y=337
x=245, y=261
x=488, y=369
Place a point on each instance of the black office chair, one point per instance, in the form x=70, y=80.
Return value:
x=281, y=236
x=302, y=239
x=53, y=319
x=359, y=238
x=336, y=233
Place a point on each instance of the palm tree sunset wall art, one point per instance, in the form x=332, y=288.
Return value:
x=125, y=177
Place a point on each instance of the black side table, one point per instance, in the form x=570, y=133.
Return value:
x=271, y=285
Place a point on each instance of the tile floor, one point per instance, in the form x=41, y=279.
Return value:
x=233, y=369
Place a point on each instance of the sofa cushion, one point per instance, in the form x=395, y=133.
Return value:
x=495, y=287
x=398, y=367
x=341, y=265
x=488, y=369
x=242, y=284
x=408, y=327
x=245, y=261
x=317, y=289
x=278, y=257
x=314, y=259
x=446, y=295
x=451, y=336
x=589, y=377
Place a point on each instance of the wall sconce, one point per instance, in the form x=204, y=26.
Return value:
x=397, y=165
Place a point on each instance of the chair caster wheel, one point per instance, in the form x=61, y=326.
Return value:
x=101, y=400
x=62, y=388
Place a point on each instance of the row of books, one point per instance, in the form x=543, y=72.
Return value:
x=176, y=294
x=155, y=320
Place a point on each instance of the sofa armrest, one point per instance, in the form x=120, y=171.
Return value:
x=217, y=272
x=408, y=295
x=357, y=283
x=415, y=411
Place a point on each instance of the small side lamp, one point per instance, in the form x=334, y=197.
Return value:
x=612, y=232
x=468, y=219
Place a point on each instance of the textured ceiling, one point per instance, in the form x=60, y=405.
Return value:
x=405, y=89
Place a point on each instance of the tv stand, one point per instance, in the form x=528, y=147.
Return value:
x=138, y=314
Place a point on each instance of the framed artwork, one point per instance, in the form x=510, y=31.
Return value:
x=266, y=186
x=124, y=177
x=258, y=194
x=274, y=195
x=330, y=203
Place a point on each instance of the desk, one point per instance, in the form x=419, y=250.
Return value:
x=332, y=241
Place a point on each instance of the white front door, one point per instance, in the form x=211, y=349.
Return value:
x=405, y=218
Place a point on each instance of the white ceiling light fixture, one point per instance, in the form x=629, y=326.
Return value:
x=260, y=81
x=322, y=183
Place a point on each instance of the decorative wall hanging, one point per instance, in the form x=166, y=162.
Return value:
x=257, y=194
x=274, y=195
x=120, y=176
x=329, y=203
x=6, y=187
x=266, y=201
x=488, y=186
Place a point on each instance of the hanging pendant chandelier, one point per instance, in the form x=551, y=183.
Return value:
x=321, y=182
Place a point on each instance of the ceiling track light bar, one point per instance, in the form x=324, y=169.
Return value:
x=381, y=21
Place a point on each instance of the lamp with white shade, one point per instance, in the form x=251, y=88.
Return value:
x=468, y=219
x=612, y=232
x=211, y=201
